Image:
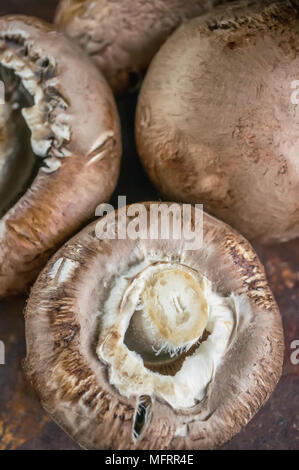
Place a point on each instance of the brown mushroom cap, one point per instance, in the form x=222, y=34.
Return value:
x=75, y=130
x=216, y=123
x=123, y=36
x=91, y=380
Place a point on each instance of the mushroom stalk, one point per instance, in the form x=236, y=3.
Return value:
x=172, y=310
x=165, y=309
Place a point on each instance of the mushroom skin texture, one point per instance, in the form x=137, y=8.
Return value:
x=92, y=338
x=75, y=136
x=123, y=36
x=216, y=123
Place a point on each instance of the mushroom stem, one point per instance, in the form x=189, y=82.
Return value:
x=173, y=313
x=154, y=331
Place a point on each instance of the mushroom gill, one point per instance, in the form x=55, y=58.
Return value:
x=141, y=343
x=30, y=125
x=60, y=146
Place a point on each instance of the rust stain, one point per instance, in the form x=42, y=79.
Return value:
x=21, y=420
x=21, y=416
x=281, y=275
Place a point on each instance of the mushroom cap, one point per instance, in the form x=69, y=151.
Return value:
x=216, y=123
x=64, y=320
x=122, y=37
x=74, y=127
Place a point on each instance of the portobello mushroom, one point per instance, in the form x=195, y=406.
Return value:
x=123, y=36
x=60, y=146
x=216, y=123
x=143, y=343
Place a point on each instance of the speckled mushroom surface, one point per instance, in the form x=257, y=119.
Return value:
x=122, y=36
x=143, y=344
x=217, y=119
x=60, y=146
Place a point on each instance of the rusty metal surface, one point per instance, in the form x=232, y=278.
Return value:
x=24, y=425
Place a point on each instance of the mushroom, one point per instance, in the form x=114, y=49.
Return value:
x=60, y=146
x=216, y=123
x=123, y=36
x=136, y=341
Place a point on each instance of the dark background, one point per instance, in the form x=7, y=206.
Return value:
x=24, y=425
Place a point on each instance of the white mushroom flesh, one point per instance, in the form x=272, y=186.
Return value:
x=47, y=117
x=165, y=308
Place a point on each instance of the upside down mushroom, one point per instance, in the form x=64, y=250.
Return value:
x=123, y=36
x=60, y=146
x=144, y=343
x=217, y=122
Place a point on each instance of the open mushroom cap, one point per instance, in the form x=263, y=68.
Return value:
x=123, y=36
x=216, y=121
x=144, y=342
x=60, y=145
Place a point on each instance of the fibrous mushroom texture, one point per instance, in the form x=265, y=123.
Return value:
x=144, y=343
x=123, y=36
x=59, y=146
x=217, y=120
